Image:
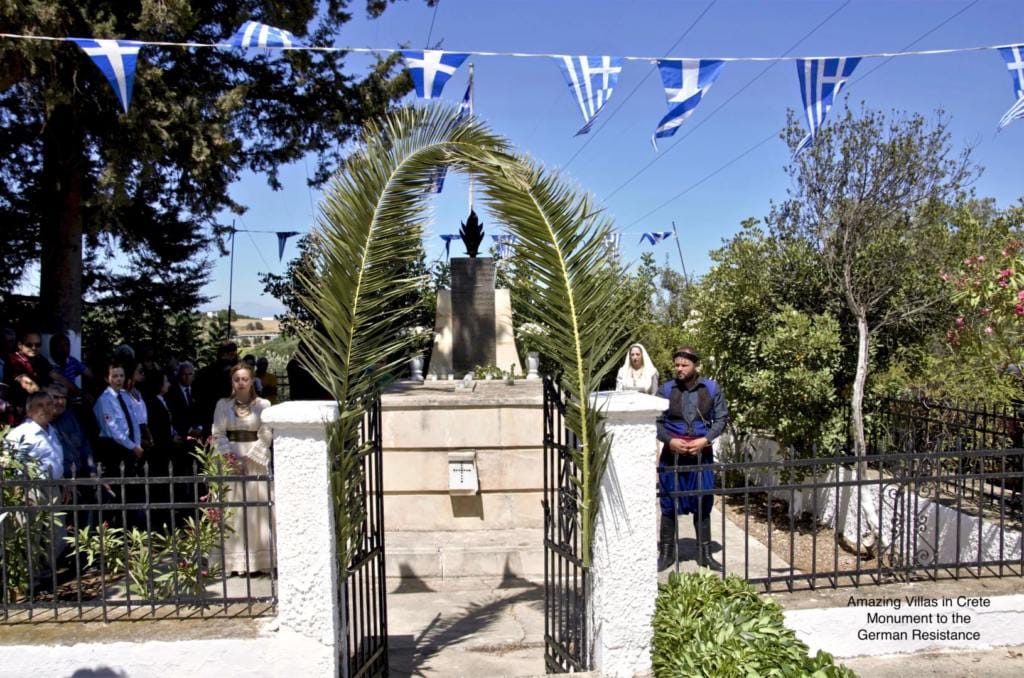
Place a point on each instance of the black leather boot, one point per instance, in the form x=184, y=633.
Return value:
x=702, y=529
x=667, y=542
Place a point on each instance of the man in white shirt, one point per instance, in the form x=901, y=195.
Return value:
x=120, y=435
x=36, y=439
x=121, y=442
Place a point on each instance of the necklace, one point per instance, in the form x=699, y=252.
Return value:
x=242, y=409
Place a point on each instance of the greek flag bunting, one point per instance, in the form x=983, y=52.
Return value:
x=820, y=82
x=282, y=239
x=686, y=82
x=430, y=69
x=1014, y=56
x=116, y=60
x=591, y=80
x=655, y=236
x=437, y=179
x=448, y=237
x=253, y=34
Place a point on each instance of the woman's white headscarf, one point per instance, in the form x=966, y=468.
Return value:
x=627, y=380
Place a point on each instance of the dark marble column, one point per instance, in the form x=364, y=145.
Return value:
x=473, y=341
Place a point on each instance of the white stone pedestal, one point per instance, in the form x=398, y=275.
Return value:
x=304, y=529
x=624, y=572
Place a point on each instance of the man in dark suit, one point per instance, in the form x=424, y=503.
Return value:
x=182, y=404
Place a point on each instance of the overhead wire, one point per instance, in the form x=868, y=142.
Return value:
x=622, y=102
x=698, y=125
x=773, y=135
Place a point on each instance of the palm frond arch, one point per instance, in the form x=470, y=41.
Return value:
x=371, y=213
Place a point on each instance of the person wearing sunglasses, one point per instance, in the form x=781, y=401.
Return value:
x=27, y=370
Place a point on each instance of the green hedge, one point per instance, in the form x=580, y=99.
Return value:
x=707, y=626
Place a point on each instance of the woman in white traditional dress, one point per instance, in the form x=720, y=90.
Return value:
x=238, y=431
x=637, y=373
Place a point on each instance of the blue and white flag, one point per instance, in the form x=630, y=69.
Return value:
x=1014, y=56
x=655, y=237
x=253, y=34
x=611, y=241
x=686, y=82
x=448, y=237
x=591, y=80
x=437, y=180
x=116, y=59
x=505, y=245
x=430, y=69
x=820, y=82
x=282, y=239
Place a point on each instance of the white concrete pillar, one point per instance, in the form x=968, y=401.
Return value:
x=304, y=531
x=624, y=570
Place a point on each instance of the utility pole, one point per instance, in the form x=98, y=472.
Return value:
x=231, y=277
x=675, y=234
x=472, y=95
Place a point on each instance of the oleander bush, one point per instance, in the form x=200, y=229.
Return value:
x=707, y=626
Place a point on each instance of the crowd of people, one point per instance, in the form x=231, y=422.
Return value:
x=135, y=418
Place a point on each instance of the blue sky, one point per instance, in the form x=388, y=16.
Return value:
x=715, y=157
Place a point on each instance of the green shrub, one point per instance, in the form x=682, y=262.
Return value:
x=707, y=626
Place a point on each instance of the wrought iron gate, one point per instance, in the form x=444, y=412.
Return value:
x=566, y=643
x=362, y=591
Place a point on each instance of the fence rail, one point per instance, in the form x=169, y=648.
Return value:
x=134, y=547
x=809, y=523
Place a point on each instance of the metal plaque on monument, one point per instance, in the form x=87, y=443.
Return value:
x=473, y=319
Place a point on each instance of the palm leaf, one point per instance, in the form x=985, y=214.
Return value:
x=561, y=242
x=372, y=213
x=375, y=209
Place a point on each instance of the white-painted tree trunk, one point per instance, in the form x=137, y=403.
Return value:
x=857, y=399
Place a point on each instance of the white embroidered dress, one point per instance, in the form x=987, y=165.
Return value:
x=250, y=524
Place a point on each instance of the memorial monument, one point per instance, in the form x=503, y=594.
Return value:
x=473, y=325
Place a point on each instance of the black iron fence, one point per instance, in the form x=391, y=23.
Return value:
x=357, y=486
x=808, y=523
x=566, y=640
x=135, y=546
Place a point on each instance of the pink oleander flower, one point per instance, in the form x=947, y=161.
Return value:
x=205, y=497
x=959, y=321
x=985, y=312
x=988, y=329
x=944, y=276
x=214, y=515
x=1006, y=273
x=1020, y=295
x=981, y=258
x=1019, y=309
x=953, y=338
x=1003, y=283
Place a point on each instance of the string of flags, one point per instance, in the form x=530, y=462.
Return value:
x=591, y=79
x=655, y=237
x=505, y=242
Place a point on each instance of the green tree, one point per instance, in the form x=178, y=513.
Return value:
x=988, y=287
x=771, y=338
x=76, y=170
x=872, y=196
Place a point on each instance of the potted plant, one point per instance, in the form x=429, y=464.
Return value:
x=420, y=338
x=529, y=336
